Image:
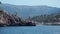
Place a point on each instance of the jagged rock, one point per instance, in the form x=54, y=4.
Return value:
x=3, y=18
x=7, y=19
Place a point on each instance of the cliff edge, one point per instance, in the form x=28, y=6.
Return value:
x=7, y=19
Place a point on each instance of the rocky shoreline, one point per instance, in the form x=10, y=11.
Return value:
x=7, y=19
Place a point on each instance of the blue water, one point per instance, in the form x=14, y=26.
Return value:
x=30, y=30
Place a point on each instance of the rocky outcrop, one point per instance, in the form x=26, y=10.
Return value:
x=7, y=19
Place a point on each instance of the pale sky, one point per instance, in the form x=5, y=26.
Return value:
x=53, y=3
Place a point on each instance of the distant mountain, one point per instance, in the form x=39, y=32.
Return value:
x=26, y=11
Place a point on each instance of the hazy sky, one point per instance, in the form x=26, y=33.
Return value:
x=53, y=3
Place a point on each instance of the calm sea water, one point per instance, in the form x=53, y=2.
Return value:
x=30, y=30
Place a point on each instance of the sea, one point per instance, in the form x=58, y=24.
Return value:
x=39, y=29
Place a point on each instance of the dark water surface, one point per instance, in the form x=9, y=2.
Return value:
x=30, y=30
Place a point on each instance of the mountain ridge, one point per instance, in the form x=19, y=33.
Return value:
x=29, y=11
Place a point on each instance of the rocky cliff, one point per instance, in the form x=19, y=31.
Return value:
x=7, y=19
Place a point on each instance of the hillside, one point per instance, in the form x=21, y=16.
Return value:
x=29, y=11
x=7, y=19
x=48, y=19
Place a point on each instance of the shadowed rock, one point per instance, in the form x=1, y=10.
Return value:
x=7, y=19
